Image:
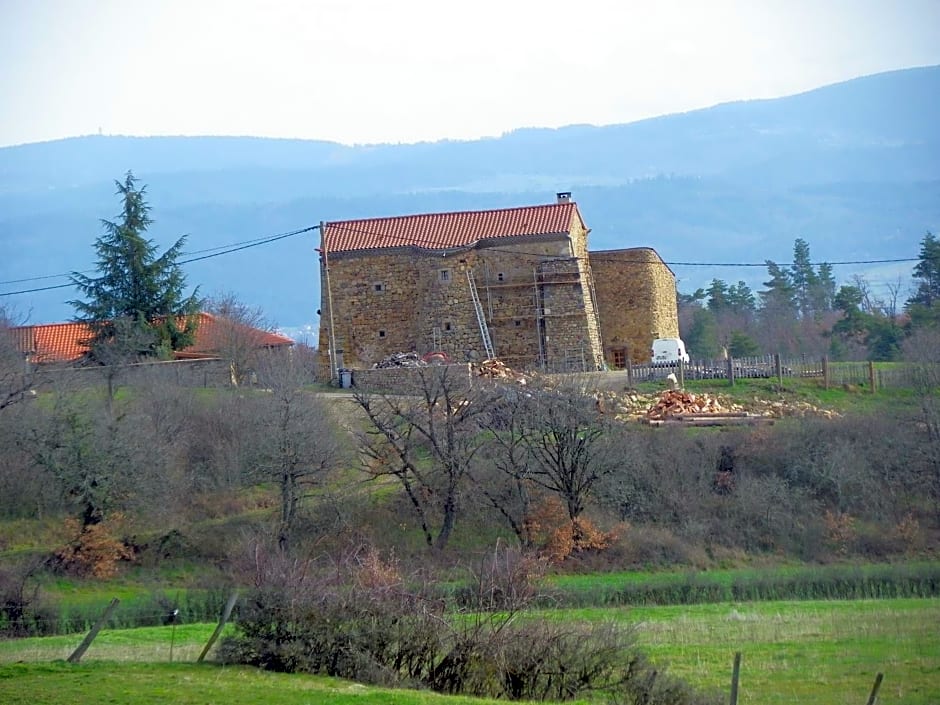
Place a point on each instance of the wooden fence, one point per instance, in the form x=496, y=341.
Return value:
x=866, y=375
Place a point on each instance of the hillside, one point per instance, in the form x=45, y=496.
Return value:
x=853, y=168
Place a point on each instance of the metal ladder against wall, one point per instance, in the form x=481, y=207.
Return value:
x=481, y=319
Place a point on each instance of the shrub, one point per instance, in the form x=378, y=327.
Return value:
x=94, y=550
x=358, y=617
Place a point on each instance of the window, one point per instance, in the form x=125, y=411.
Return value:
x=378, y=286
x=448, y=326
x=518, y=323
x=381, y=333
x=500, y=277
x=444, y=275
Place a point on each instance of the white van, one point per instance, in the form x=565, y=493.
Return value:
x=668, y=352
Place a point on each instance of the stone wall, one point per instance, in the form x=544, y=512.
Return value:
x=210, y=373
x=406, y=380
x=420, y=301
x=636, y=300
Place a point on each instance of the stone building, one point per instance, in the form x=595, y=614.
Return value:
x=636, y=302
x=517, y=283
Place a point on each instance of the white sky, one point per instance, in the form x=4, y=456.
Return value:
x=362, y=71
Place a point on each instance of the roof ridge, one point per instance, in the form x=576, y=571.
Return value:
x=432, y=213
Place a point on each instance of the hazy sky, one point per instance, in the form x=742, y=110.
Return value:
x=372, y=71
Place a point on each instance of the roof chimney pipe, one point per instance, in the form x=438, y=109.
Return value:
x=564, y=196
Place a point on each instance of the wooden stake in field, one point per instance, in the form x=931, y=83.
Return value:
x=226, y=613
x=735, y=675
x=90, y=637
x=875, y=688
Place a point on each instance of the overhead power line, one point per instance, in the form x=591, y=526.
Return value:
x=417, y=242
x=231, y=248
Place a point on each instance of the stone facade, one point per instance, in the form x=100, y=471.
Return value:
x=636, y=301
x=537, y=294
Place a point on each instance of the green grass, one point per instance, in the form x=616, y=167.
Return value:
x=144, y=644
x=911, y=579
x=190, y=684
x=820, y=652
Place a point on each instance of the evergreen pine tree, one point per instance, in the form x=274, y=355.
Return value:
x=803, y=279
x=136, y=307
x=924, y=305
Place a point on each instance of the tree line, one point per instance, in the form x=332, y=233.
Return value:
x=802, y=310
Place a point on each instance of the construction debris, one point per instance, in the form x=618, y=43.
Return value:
x=497, y=369
x=409, y=359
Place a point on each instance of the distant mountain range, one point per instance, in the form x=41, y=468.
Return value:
x=853, y=168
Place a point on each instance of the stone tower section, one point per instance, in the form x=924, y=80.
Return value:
x=636, y=301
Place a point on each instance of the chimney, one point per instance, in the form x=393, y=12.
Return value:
x=564, y=196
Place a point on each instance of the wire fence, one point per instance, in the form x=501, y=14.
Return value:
x=869, y=375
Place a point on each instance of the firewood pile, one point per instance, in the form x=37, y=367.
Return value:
x=675, y=402
x=497, y=369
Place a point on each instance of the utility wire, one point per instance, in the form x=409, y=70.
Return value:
x=250, y=243
x=414, y=242
x=232, y=247
x=405, y=240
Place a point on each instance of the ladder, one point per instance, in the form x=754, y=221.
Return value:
x=481, y=319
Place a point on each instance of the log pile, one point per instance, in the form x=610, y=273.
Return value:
x=497, y=369
x=675, y=402
x=677, y=406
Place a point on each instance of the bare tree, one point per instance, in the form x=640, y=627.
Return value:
x=428, y=442
x=923, y=349
x=238, y=333
x=17, y=375
x=504, y=477
x=570, y=443
x=83, y=447
x=296, y=444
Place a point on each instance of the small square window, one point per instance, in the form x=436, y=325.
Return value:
x=444, y=275
x=500, y=277
x=381, y=333
x=448, y=326
x=378, y=286
x=518, y=324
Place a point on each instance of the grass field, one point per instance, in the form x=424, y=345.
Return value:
x=821, y=652
x=188, y=684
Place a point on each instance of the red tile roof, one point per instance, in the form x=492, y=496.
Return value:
x=59, y=342
x=442, y=231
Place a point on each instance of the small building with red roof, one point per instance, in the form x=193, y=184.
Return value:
x=63, y=343
x=514, y=283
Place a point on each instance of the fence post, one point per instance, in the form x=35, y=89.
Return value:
x=778, y=368
x=629, y=372
x=730, y=370
x=90, y=637
x=226, y=613
x=735, y=675
x=825, y=366
x=681, y=374
x=874, y=689
x=871, y=376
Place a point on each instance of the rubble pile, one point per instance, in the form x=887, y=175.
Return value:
x=497, y=369
x=404, y=359
x=798, y=409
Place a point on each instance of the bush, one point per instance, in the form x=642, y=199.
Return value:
x=358, y=617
